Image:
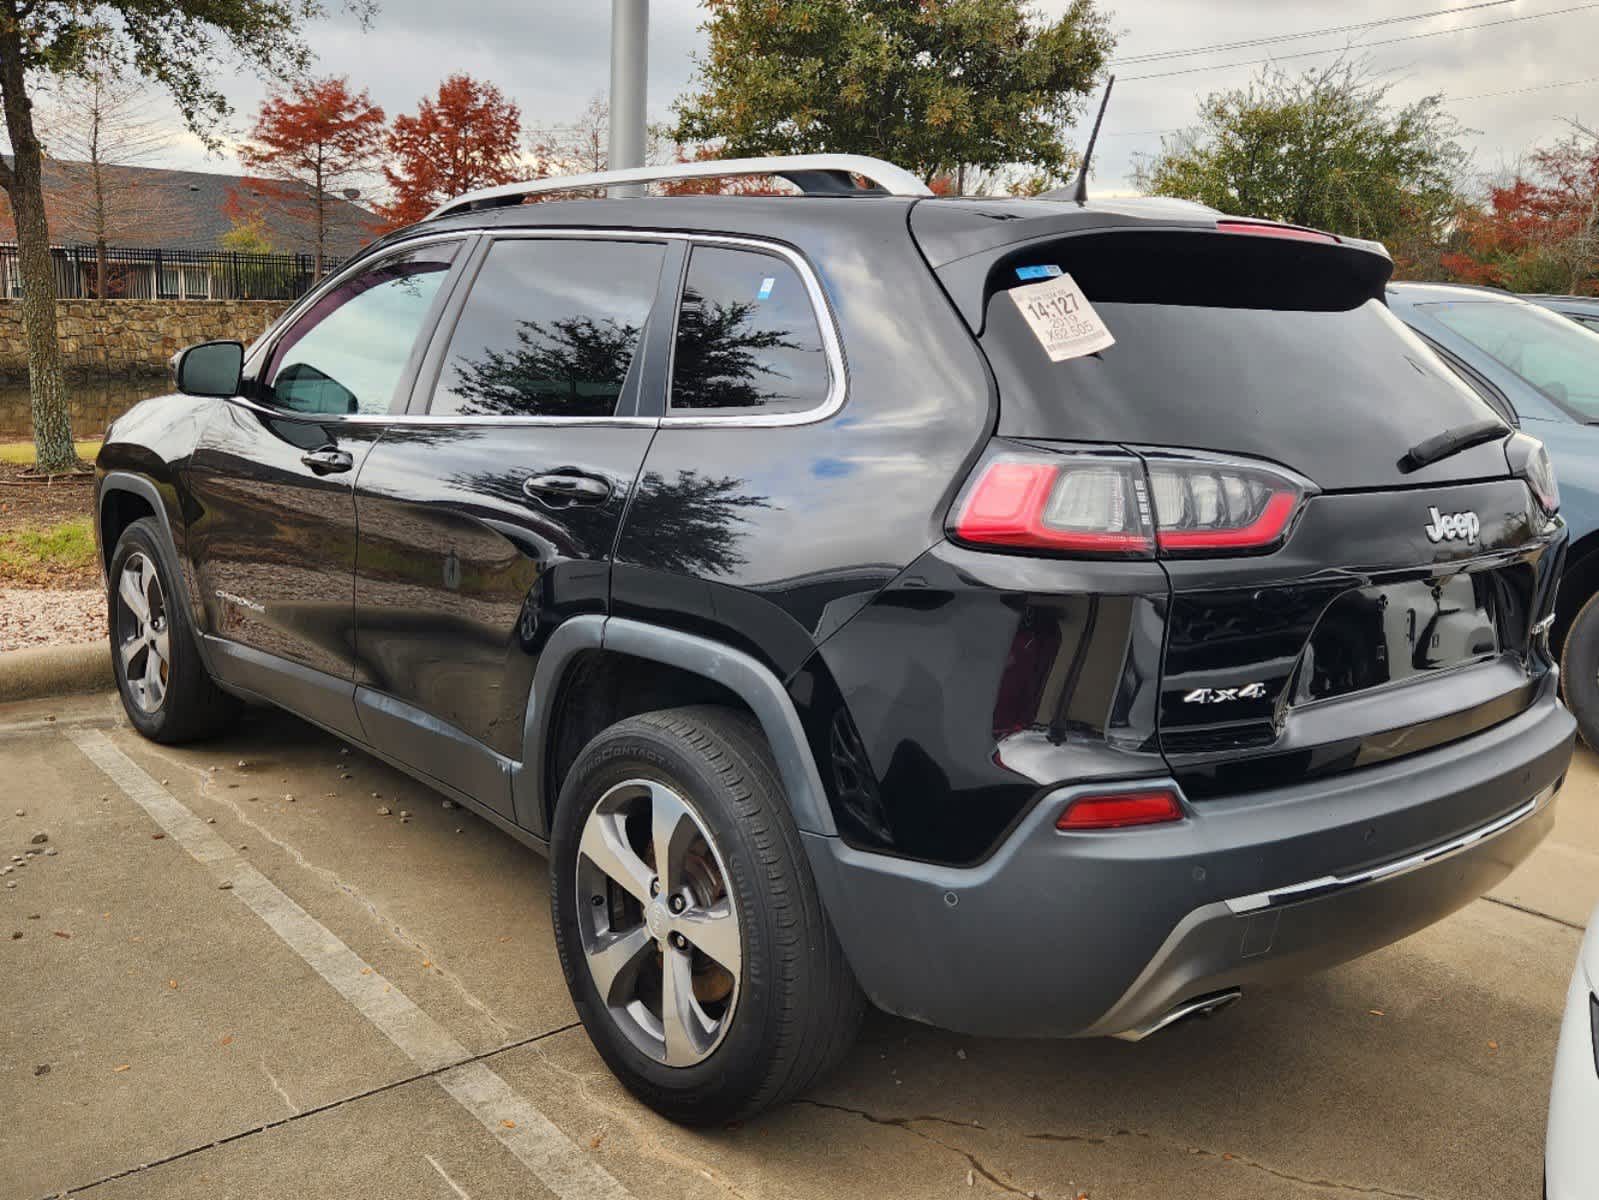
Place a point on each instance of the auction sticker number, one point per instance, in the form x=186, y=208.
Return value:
x=1061, y=318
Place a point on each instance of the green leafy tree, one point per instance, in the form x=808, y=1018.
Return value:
x=1325, y=149
x=247, y=235
x=179, y=45
x=938, y=86
x=253, y=274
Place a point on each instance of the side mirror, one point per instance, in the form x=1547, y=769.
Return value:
x=209, y=369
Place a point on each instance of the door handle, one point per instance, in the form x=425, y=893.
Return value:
x=329, y=460
x=572, y=487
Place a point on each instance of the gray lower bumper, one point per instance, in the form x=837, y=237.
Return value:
x=1103, y=933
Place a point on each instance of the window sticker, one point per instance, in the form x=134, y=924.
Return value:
x=1044, y=271
x=767, y=285
x=1061, y=318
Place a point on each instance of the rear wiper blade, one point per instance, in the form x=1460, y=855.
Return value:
x=1451, y=441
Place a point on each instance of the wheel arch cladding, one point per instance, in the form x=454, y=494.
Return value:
x=731, y=671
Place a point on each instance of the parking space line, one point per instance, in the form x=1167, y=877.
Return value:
x=552, y=1157
x=445, y=1175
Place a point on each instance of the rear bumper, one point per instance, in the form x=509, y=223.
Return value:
x=1105, y=933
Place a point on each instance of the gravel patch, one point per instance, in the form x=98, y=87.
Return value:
x=50, y=617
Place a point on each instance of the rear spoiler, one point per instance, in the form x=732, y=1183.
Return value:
x=1192, y=263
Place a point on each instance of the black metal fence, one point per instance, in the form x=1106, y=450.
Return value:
x=132, y=274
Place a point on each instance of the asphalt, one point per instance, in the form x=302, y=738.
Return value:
x=220, y=991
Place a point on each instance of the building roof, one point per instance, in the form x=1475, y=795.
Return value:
x=157, y=209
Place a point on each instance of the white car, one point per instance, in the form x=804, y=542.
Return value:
x=1571, y=1157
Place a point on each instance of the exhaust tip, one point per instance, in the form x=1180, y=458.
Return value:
x=1200, y=1006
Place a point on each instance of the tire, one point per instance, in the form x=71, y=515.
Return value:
x=736, y=863
x=1579, y=670
x=168, y=695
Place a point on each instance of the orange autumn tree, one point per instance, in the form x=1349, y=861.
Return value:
x=465, y=138
x=1539, y=232
x=306, y=146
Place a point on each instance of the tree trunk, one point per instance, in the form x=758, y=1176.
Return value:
x=321, y=219
x=24, y=185
x=100, y=266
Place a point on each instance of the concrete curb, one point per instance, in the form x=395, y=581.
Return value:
x=55, y=671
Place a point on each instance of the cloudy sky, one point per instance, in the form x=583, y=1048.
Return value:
x=551, y=57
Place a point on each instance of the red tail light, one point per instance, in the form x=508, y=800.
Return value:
x=1119, y=810
x=1105, y=504
x=1292, y=233
x=1058, y=502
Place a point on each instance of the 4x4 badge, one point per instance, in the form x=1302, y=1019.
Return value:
x=1250, y=691
x=1463, y=526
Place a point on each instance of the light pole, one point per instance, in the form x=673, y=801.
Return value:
x=630, y=32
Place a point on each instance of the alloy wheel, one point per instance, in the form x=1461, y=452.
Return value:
x=143, y=637
x=659, y=928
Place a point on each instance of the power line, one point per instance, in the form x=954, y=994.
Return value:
x=1412, y=37
x=1163, y=55
x=1537, y=87
x=1540, y=87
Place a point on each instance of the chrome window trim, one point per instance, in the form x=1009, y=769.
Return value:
x=832, y=348
x=1313, y=888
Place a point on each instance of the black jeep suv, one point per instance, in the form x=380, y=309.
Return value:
x=1036, y=618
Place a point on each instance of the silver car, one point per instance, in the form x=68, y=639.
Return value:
x=1571, y=1156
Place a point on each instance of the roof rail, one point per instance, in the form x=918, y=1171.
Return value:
x=813, y=174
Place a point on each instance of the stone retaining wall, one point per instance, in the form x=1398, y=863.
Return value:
x=132, y=337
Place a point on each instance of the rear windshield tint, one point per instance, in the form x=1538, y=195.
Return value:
x=1337, y=393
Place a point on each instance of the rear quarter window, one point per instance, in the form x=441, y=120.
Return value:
x=748, y=339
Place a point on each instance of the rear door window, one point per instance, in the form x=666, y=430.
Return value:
x=551, y=328
x=1555, y=355
x=347, y=353
x=748, y=340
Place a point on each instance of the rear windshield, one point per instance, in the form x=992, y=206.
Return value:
x=1555, y=355
x=1339, y=394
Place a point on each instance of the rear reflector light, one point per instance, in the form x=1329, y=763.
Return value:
x=1120, y=810
x=1105, y=504
x=1261, y=229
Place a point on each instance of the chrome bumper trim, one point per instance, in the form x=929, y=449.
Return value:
x=1310, y=889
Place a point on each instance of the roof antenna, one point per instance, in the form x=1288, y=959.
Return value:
x=1080, y=188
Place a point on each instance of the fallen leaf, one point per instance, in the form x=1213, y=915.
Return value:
x=366, y=970
x=1376, y=1012
x=594, y=1142
x=506, y=938
x=62, y=933
x=173, y=984
x=156, y=837
x=122, y=1068
x=426, y=964
x=509, y=1124
x=227, y=1040
x=1493, y=1045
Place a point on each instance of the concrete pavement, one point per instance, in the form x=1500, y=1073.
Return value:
x=221, y=990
